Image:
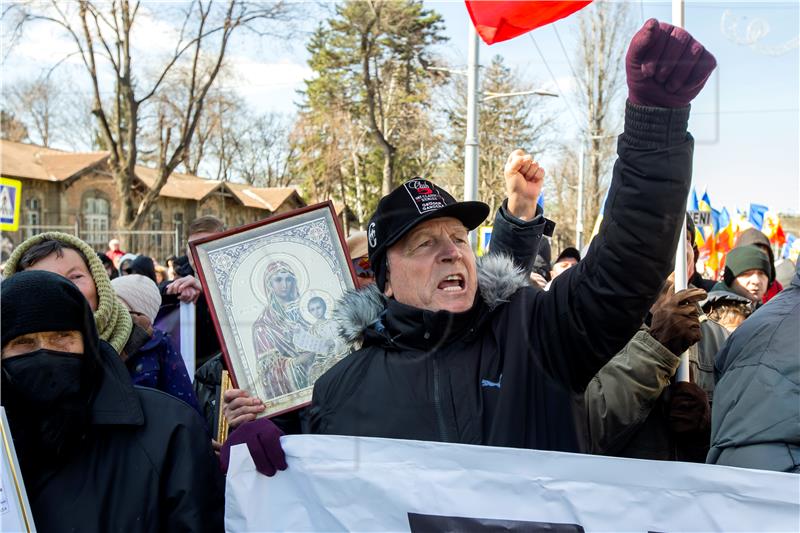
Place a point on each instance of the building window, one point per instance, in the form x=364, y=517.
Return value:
x=33, y=217
x=96, y=211
x=156, y=224
x=177, y=223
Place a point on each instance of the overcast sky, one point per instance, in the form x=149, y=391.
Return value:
x=746, y=122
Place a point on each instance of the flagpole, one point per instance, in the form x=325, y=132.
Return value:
x=681, y=281
x=579, y=223
x=471, y=140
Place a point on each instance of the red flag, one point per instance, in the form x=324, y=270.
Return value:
x=780, y=236
x=501, y=20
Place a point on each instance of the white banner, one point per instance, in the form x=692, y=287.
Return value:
x=188, y=326
x=367, y=484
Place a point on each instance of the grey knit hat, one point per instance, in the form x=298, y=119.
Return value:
x=139, y=293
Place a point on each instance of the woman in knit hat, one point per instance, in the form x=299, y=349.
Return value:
x=143, y=266
x=156, y=364
x=754, y=237
x=75, y=260
x=96, y=453
x=745, y=281
x=125, y=263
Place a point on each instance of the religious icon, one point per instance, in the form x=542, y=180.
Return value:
x=15, y=509
x=272, y=287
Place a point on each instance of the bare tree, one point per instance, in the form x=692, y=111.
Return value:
x=103, y=35
x=38, y=102
x=261, y=153
x=603, y=32
x=78, y=131
x=221, y=110
x=11, y=128
x=356, y=142
x=561, y=195
x=232, y=142
x=55, y=113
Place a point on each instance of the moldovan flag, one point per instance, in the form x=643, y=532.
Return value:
x=694, y=205
x=501, y=20
x=773, y=228
x=708, y=249
x=725, y=235
x=756, y=215
x=740, y=223
x=791, y=249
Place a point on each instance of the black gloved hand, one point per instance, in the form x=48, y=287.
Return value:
x=688, y=409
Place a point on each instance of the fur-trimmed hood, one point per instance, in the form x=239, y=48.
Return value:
x=498, y=280
x=723, y=293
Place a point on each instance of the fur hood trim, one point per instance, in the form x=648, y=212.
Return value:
x=498, y=280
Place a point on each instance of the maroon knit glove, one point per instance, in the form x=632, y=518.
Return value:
x=263, y=439
x=665, y=66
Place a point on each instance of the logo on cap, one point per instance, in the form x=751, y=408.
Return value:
x=373, y=239
x=425, y=195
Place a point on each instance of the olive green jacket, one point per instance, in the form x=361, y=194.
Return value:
x=624, y=406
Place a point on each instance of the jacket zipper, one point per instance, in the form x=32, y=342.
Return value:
x=437, y=402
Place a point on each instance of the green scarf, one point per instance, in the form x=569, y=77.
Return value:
x=113, y=320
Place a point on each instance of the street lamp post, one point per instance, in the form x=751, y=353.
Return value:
x=471, y=140
x=474, y=98
x=681, y=279
x=579, y=222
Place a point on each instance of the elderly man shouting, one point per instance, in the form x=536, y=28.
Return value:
x=452, y=351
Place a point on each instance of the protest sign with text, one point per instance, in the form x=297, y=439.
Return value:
x=336, y=483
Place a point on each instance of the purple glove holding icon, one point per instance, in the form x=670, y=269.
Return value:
x=263, y=439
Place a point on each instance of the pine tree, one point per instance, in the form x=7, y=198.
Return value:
x=504, y=124
x=367, y=100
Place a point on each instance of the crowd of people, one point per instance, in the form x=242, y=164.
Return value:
x=578, y=354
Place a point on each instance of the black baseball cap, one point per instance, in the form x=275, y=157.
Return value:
x=410, y=204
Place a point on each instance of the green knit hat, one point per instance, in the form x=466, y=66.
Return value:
x=113, y=320
x=744, y=258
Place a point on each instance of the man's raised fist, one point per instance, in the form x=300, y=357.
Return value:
x=666, y=66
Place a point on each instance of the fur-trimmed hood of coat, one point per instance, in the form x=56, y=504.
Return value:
x=498, y=280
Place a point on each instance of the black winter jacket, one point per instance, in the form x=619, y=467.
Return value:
x=146, y=465
x=485, y=376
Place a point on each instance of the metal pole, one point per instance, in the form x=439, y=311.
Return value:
x=579, y=223
x=681, y=280
x=177, y=246
x=471, y=141
x=678, y=13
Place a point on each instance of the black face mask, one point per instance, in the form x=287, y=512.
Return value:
x=46, y=395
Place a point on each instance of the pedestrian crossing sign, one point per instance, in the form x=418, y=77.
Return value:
x=484, y=238
x=10, y=191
